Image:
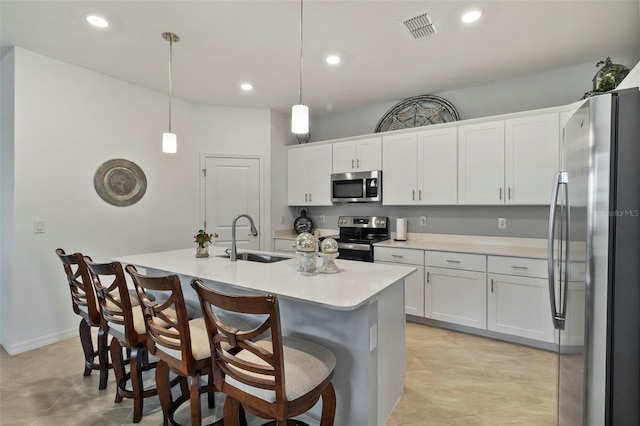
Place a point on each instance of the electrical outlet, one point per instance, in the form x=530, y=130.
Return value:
x=321, y=218
x=423, y=220
x=39, y=227
x=373, y=337
x=281, y=220
x=502, y=223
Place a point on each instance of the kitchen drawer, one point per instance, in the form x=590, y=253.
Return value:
x=452, y=260
x=284, y=245
x=521, y=266
x=398, y=255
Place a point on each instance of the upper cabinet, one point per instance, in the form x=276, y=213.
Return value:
x=481, y=163
x=309, y=175
x=532, y=158
x=420, y=167
x=358, y=155
x=509, y=161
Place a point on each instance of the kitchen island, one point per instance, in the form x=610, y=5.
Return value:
x=357, y=313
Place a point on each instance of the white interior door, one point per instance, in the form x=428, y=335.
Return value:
x=232, y=187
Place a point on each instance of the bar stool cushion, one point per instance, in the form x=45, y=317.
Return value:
x=306, y=365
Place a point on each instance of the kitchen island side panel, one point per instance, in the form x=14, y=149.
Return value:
x=368, y=382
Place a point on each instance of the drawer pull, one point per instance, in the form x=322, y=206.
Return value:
x=520, y=267
x=428, y=277
x=453, y=261
x=398, y=256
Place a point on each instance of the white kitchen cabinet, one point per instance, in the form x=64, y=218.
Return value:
x=508, y=162
x=309, y=175
x=518, y=298
x=456, y=293
x=414, y=283
x=284, y=245
x=420, y=167
x=358, y=155
x=481, y=163
x=399, y=168
x=532, y=158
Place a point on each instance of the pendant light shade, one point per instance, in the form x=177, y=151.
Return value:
x=170, y=139
x=300, y=119
x=300, y=112
x=169, y=143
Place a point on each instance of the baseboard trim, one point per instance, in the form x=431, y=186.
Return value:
x=17, y=348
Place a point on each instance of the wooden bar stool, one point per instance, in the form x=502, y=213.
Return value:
x=84, y=304
x=273, y=378
x=182, y=346
x=124, y=321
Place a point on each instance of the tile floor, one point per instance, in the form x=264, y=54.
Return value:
x=452, y=379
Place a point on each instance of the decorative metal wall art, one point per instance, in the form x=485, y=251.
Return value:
x=120, y=182
x=418, y=111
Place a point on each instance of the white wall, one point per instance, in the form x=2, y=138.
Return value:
x=68, y=121
x=541, y=90
x=6, y=186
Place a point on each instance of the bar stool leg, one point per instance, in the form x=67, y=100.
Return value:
x=87, y=346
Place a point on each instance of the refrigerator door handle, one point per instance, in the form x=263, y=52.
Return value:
x=560, y=179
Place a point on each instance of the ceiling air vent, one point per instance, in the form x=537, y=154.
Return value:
x=421, y=25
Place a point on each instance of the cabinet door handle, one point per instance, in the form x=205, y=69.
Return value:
x=428, y=277
x=358, y=163
x=309, y=197
x=420, y=194
x=413, y=194
x=453, y=261
x=398, y=256
x=491, y=285
x=520, y=267
x=509, y=192
x=353, y=164
x=306, y=197
x=501, y=193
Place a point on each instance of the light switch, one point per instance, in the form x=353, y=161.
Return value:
x=373, y=337
x=39, y=227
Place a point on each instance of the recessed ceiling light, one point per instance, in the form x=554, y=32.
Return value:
x=97, y=21
x=471, y=16
x=333, y=59
x=246, y=87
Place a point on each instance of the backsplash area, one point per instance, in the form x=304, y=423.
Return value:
x=522, y=221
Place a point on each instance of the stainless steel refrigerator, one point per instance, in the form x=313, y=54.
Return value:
x=594, y=263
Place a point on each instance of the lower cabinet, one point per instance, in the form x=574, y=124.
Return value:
x=518, y=298
x=284, y=245
x=506, y=295
x=456, y=288
x=414, y=283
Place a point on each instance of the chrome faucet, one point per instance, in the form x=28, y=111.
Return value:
x=234, y=252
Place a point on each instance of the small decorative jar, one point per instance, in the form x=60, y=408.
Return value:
x=202, y=250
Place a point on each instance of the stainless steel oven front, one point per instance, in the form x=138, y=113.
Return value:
x=357, y=187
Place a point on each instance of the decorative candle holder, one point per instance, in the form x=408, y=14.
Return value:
x=308, y=262
x=299, y=267
x=328, y=263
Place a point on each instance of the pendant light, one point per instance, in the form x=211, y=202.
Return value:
x=169, y=139
x=300, y=112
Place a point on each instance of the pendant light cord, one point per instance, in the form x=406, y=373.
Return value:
x=301, y=29
x=170, y=77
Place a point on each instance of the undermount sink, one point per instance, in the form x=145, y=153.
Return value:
x=254, y=257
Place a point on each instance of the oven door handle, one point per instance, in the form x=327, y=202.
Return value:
x=354, y=246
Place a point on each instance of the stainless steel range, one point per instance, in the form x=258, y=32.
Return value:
x=358, y=234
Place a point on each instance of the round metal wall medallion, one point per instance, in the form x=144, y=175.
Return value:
x=417, y=111
x=120, y=182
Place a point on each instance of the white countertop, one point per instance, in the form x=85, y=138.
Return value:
x=497, y=246
x=357, y=283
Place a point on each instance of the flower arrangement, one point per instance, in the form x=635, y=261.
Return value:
x=202, y=238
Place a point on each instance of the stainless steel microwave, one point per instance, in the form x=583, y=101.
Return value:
x=358, y=187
